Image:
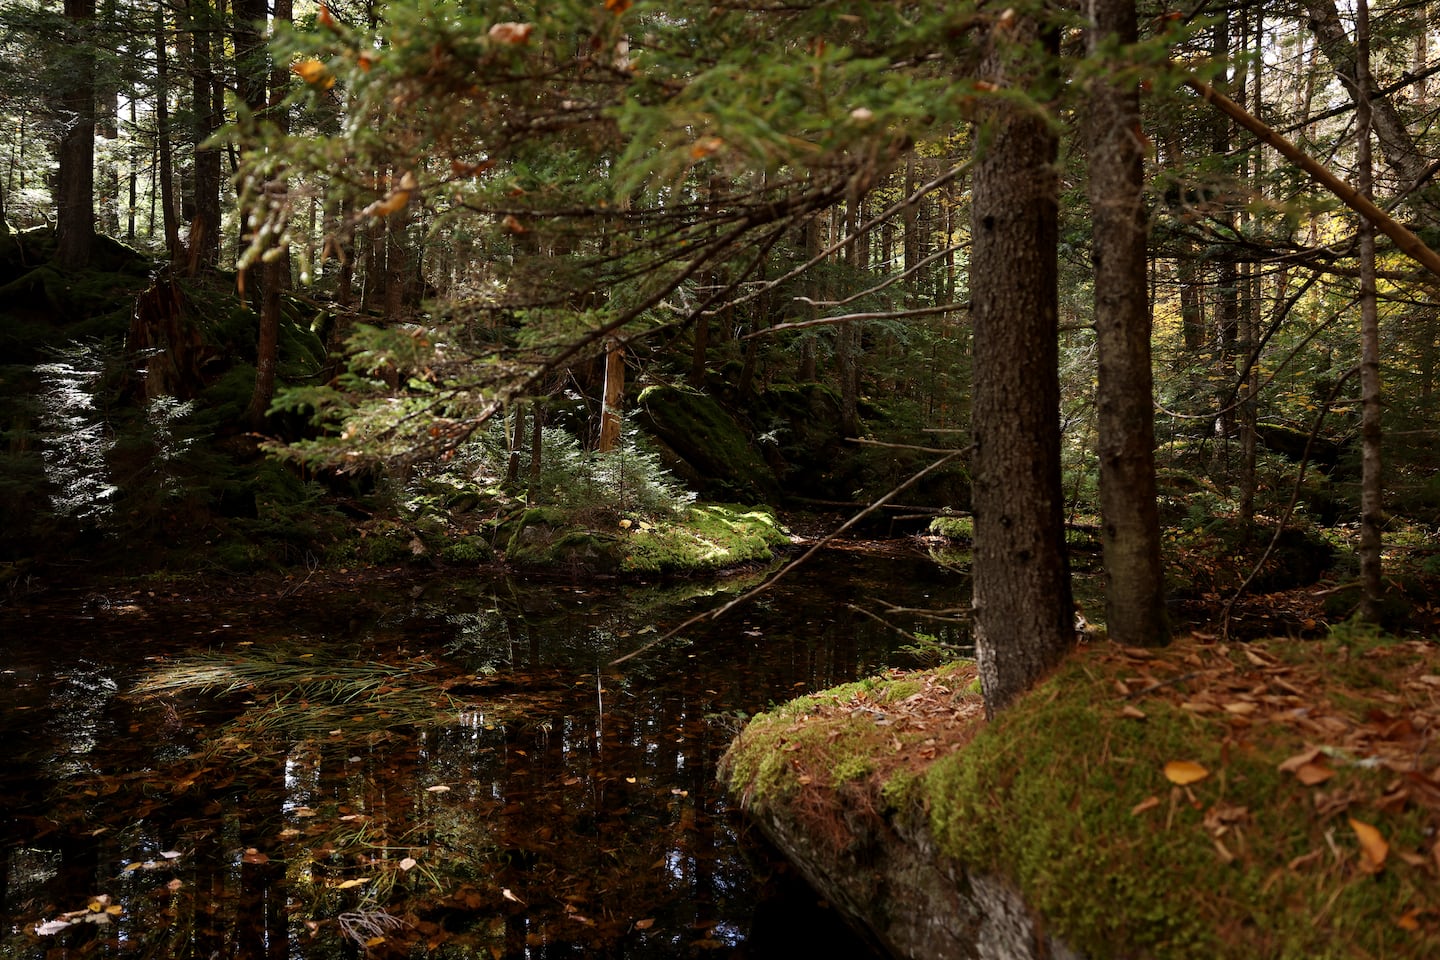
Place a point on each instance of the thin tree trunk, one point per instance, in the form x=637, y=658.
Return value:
x=613, y=399
x=1371, y=489
x=1130, y=523
x=164, y=149
x=1024, y=621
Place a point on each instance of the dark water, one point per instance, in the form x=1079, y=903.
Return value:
x=562, y=808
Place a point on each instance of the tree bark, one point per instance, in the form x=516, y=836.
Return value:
x=1130, y=522
x=614, y=397
x=1388, y=126
x=1024, y=620
x=204, y=242
x=1371, y=488
x=75, y=193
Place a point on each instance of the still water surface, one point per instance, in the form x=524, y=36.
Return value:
x=557, y=808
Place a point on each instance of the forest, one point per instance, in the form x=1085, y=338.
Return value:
x=1082, y=348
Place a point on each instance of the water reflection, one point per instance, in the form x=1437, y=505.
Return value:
x=564, y=809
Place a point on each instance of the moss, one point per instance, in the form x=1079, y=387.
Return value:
x=954, y=528
x=467, y=550
x=705, y=446
x=1065, y=794
x=1047, y=795
x=709, y=537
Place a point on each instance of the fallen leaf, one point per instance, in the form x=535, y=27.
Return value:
x=1132, y=712
x=1409, y=920
x=1185, y=772
x=1149, y=803
x=505, y=892
x=1373, y=848
x=1300, y=759
x=645, y=924
x=1313, y=773
x=352, y=884
x=438, y=788
x=408, y=864
x=51, y=927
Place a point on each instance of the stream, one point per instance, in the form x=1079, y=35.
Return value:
x=436, y=766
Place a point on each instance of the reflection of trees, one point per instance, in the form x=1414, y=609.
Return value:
x=587, y=793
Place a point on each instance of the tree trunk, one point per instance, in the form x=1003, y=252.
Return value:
x=164, y=150
x=614, y=397
x=75, y=193
x=1130, y=522
x=1024, y=620
x=1371, y=488
x=204, y=240
x=275, y=272
x=1412, y=167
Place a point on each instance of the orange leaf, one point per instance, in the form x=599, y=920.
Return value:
x=1185, y=772
x=704, y=147
x=1373, y=848
x=314, y=73
x=1409, y=920
x=1149, y=803
x=325, y=19
x=617, y=7
x=645, y=924
x=1313, y=773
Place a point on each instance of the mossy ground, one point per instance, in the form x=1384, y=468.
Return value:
x=1067, y=793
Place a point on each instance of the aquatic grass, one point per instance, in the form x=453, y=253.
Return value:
x=298, y=695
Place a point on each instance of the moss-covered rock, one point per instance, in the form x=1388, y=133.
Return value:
x=1070, y=799
x=704, y=446
x=705, y=539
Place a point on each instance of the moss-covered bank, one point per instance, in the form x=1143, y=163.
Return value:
x=1066, y=801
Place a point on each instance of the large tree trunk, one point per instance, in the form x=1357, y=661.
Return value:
x=1024, y=621
x=1130, y=522
x=75, y=194
x=204, y=242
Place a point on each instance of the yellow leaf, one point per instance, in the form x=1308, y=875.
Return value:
x=314, y=73
x=1185, y=772
x=1373, y=848
x=352, y=884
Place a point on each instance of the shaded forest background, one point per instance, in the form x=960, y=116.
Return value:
x=377, y=282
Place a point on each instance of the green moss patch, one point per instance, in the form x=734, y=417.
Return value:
x=1299, y=748
x=709, y=537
